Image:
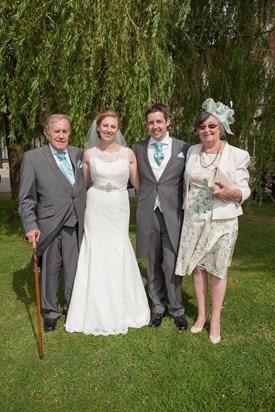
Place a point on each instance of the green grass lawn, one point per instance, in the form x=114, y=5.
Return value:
x=148, y=369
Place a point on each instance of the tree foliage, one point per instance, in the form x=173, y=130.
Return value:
x=82, y=56
x=226, y=53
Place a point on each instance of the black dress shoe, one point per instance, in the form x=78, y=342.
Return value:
x=156, y=320
x=49, y=324
x=181, y=322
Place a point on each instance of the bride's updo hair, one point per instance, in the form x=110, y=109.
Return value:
x=93, y=136
x=107, y=113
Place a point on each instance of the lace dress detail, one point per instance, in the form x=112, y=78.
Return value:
x=104, y=171
x=205, y=243
x=108, y=295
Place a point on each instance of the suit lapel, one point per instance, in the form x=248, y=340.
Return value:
x=72, y=155
x=174, y=153
x=63, y=180
x=146, y=157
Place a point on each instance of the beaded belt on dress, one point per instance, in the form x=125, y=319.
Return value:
x=108, y=188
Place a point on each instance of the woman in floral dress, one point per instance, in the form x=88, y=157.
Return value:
x=210, y=225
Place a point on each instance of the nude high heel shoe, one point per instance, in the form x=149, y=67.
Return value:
x=195, y=329
x=215, y=339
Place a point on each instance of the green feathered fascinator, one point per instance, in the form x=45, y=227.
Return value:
x=222, y=112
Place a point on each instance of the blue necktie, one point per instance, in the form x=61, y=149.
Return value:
x=66, y=167
x=158, y=155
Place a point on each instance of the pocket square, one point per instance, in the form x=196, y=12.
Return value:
x=181, y=155
x=79, y=164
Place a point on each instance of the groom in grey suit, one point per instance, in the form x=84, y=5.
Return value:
x=161, y=162
x=51, y=205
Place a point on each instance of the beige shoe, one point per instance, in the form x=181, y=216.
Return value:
x=215, y=339
x=195, y=329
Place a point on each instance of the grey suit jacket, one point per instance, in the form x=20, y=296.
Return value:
x=170, y=189
x=46, y=198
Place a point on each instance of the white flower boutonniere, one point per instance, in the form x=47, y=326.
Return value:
x=181, y=155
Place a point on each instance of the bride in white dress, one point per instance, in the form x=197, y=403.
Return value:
x=108, y=295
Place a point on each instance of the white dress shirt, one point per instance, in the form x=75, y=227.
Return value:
x=158, y=169
x=56, y=158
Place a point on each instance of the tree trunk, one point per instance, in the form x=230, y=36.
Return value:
x=15, y=155
x=273, y=187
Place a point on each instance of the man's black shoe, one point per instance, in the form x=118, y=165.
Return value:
x=156, y=320
x=49, y=324
x=181, y=322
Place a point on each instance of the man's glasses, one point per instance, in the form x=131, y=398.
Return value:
x=210, y=126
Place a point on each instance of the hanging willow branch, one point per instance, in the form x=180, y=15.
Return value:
x=80, y=57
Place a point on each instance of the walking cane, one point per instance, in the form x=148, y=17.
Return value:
x=37, y=299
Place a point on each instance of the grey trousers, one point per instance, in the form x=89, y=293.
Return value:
x=62, y=252
x=161, y=262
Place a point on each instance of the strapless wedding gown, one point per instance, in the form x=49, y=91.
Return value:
x=108, y=295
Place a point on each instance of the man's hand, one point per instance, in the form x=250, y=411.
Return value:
x=33, y=237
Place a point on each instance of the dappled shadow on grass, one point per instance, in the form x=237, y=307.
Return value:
x=24, y=287
x=252, y=210
x=5, y=202
x=132, y=223
x=13, y=228
x=190, y=309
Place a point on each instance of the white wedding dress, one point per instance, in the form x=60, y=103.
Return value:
x=108, y=295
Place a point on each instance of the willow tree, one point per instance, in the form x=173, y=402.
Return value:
x=79, y=57
x=23, y=30
x=226, y=53
x=82, y=56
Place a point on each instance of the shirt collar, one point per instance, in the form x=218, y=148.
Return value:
x=166, y=140
x=55, y=151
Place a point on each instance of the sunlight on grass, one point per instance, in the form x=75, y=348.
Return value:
x=147, y=369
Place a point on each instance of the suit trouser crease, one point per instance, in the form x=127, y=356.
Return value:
x=61, y=252
x=161, y=262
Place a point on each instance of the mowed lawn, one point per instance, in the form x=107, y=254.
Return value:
x=148, y=369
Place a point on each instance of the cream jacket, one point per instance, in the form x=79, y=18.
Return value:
x=234, y=162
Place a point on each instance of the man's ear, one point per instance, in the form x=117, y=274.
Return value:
x=168, y=121
x=45, y=133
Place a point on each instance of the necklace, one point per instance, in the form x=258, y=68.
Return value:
x=202, y=160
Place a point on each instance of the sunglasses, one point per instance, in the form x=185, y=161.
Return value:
x=210, y=126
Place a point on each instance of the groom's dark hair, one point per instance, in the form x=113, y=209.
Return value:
x=157, y=107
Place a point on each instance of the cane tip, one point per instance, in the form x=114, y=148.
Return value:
x=41, y=357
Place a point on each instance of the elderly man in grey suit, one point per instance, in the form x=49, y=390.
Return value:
x=161, y=163
x=51, y=205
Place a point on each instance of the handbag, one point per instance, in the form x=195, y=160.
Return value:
x=217, y=178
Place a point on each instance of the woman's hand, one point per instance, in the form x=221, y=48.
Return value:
x=225, y=193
